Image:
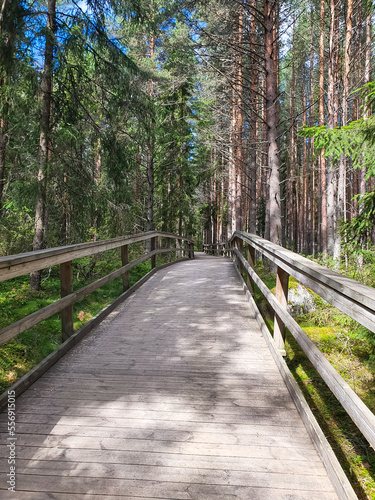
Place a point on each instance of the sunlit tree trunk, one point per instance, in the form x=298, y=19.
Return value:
x=272, y=119
x=332, y=101
x=341, y=186
x=322, y=160
x=46, y=90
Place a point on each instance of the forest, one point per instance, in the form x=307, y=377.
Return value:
x=192, y=117
x=198, y=118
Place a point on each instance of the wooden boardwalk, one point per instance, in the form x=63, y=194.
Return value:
x=174, y=396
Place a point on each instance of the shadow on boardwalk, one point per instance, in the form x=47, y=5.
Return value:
x=174, y=396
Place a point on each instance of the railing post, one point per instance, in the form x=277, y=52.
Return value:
x=251, y=261
x=282, y=282
x=178, y=249
x=66, y=280
x=153, y=247
x=125, y=260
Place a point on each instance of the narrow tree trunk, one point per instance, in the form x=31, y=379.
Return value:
x=45, y=138
x=292, y=185
x=341, y=187
x=367, y=77
x=239, y=127
x=332, y=101
x=253, y=128
x=3, y=149
x=311, y=207
x=150, y=160
x=322, y=160
x=272, y=118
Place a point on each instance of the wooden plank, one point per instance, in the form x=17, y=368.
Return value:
x=66, y=280
x=272, y=466
x=157, y=489
x=282, y=283
x=181, y=476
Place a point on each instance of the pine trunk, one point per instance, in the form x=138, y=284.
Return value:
x=272, y=95
x=44, y=139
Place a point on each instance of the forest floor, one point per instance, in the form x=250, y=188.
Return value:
x=348, y=346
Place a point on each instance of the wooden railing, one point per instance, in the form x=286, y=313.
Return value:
x=214, y=248
x=18, y=265
x=352, y=298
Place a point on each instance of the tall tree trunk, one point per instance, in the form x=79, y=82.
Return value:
x=304, y=202
x=150, y=159
x=44, y=139
x=272, y=119
x=311, y=206
x=332, y=101
x=8, y=27
x=341, y=186
x=322, y=160
x=292, y=184
x=239, y=126
x=4, y=126
x=253, y=127
x=367, y=78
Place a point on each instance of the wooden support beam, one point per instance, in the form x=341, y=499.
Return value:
x=282, y=282
x=178, y=249
x=153, y=258
x=251, y=261
x=66, y=279
x=125, y=260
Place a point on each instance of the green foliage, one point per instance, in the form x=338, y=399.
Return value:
x=357, y=139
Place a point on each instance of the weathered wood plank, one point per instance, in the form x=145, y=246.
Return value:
x=180, y=476
x=175, y=491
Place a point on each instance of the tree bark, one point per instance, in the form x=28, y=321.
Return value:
x=253, y=129
x=332, y=101
x=322, y=160
x=341, y=186
x=44, y=139
x=272, y=119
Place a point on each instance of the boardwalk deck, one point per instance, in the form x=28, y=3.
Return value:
x=174, y=396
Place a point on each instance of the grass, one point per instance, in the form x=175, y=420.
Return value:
x=22, y=353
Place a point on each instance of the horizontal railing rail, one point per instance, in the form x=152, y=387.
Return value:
x=214, y=248
x=18, y=265
x=353, y=298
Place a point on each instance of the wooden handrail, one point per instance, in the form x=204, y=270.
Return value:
x=214, y=247
x=17, y=265
x=353, y=298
